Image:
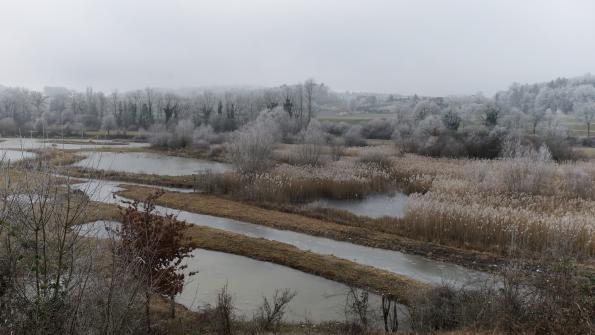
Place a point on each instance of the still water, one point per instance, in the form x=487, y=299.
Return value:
x=37, y=143
x=248, y=281
x=14, y=155
x=375, y=206
x=149, y=163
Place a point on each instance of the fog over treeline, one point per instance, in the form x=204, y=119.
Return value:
x=71, y=112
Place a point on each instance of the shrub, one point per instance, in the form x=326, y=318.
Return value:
x=182, y=134
x=353, y=137
x=159, y=136
x=381, y=129
x=270, y=313
x=483, y=143
x=334, y=128
x=221, y=123
x=309, y=152
x=223, y=315
x=251, y=148
x=550, y=299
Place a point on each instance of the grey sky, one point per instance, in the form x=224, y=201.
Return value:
x=428, y=47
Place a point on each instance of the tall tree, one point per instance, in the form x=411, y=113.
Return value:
x=309, y=91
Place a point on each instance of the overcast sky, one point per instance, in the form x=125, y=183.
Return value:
x=437, y=47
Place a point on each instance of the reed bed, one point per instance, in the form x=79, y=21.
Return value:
x=515, y=207
x=286, y=183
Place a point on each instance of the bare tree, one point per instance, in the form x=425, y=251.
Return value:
x=585, y=112
x=270, y=313
x=309, y=91
x=170, y=106
x=51, y=279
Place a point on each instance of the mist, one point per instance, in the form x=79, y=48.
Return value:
x=426, y=47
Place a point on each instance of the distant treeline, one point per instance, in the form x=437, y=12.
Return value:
x=58, y=109
x=528, y=107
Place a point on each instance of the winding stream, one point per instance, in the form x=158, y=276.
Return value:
x=413, y=266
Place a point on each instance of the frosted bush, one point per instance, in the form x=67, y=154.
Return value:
x=182, y=136
x=353, y=137
x=379, y=129
x=159, y=135
x=309, y=152
x=204, y=136
x=283, y=126
x=251, y=148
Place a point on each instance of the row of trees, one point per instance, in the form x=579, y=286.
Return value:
x=59, y=109
x=524, y=107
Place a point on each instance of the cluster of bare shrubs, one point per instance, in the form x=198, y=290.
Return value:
x=184, y=134
x=553, y=298
x=222, y=318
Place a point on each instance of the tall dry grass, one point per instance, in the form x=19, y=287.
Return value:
x=286, y=183
x=524, y=205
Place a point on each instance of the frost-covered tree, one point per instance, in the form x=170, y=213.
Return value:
x=251, y=148
x=585, y=112
x=108, y=123
x=451, y=120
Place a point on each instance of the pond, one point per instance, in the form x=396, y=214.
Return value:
x=413, y=266
x=149, y=163
x=37, y=143
x=14, y=155
x=375, y=206
x=248, y=281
